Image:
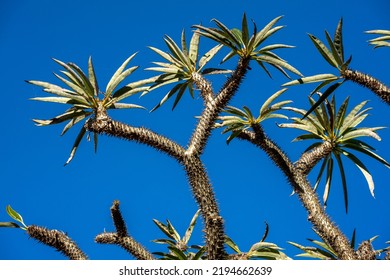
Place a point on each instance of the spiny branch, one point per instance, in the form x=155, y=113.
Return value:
x=310, y=158
x=58, y=240
x=121, y=237
x=316, y=213
x=138, y=134
x=214, y=108
x=377, y=87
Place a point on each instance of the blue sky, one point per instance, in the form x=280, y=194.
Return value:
x=249, y=188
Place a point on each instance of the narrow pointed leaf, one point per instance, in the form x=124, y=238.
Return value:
x=76, y=144
x=343, y=180
x=209, y=55
x=324, y=51
x=111, y=84
x=322, y=98
x=190, y=228
x=338, y=39
x=92, y=76
x=271, y=99
x=194, y=48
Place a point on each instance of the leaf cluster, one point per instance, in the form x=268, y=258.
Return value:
x=335, y=125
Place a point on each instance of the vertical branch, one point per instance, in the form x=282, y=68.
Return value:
x=121, y=236
x=214, y=108
x=204, y=196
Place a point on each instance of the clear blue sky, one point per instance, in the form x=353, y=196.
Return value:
x=250, y=190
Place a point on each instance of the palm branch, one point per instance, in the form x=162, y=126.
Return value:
x=84, y=97
x=342, y=130
x=382, y=41
x=241, y=43
x=181, y=66
x=239, y=120
x=178, y=246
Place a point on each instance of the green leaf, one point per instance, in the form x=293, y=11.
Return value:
x=329, y=176
x=363, y=149
x=229, y=242
x=92, y=77
x=176, y=52
x=263, y=34
x=190, y=228
x=179, y=254
x=244, y=30
x=209, y=55
x=227, y=33
x=62, y=100
x=194, y=48
x=9, y=225
x=14, y=215
x=343, y=180
x=363, y=169
x=76, y=144
x=338, y=39
x=164, y=229
x=312, y=79
x=324, y=51
x=334, y=50
x=322, y=98
x=277, y=62
x=271, y=99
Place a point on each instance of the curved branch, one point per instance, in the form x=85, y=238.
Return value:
x=139, y=134
x=57, y=240
x=316, y=213
x=214, y=108
x=310, y=158
x=377, y=87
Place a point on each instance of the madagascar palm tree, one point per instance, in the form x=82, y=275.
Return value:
x=239, y=120
x=334, y=56
x=338, y=130
x=184, y=68
x=85, y=98
x=247, y=46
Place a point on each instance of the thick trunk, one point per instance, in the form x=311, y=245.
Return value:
x=204, y=196
x=199, y=182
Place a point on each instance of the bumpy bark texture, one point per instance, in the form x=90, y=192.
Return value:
x=214, y=107
x=309, y=159
x=369, y=82
x=127, y=243
x=139, y=134
x=366, y=251
x=297, y=178
x=204, y=196
x=121, y=236
x=58, y=240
